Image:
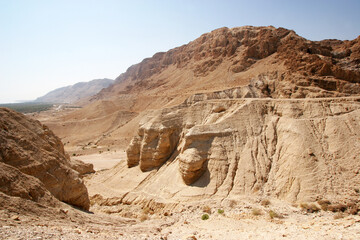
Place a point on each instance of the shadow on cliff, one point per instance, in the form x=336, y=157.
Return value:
x=204, y=180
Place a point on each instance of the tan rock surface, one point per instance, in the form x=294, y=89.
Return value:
x=33, y=149
x=297, y=150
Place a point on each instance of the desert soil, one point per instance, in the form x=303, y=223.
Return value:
x=244, y=218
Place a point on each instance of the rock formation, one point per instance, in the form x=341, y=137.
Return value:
x=248, y=110
x=289, y=66
x=34, y=150
x=298, y=150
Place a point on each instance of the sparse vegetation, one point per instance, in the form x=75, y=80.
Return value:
x=310, y=208
x=205, y=217
x=324, y=204
x=74, y=154
x=273, y=214
x=220, y=211
x=256, y=212
x=207, y=209
x=337, y=207
x=29, y=107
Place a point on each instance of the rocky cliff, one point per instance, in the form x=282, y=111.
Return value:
x=296, y=66
x=30, y=150
x=297, y=150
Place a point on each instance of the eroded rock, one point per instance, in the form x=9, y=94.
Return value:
x=32, y=148
x=290, y=149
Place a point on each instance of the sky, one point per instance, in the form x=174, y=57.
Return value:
x=47, y=44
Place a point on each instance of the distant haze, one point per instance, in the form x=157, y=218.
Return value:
x=73, y=93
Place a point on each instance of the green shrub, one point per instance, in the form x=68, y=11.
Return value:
x=220, y=211
x=205, y=217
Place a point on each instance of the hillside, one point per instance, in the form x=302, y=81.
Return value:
x=275, y=60
x=254, y=128
x=73, y=93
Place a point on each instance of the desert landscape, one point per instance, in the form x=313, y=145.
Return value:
x=243, y=133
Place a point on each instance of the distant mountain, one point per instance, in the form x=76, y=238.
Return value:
x=73, y=93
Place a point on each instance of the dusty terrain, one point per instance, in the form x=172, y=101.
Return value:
x=256, y=127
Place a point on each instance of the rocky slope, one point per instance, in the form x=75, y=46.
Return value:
x=34, y=163
x=288, y=65
x=295, y=150
x=296, y=67
x=248, y=110
x=73, y=93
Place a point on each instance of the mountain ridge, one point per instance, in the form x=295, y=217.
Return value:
x=75, y=92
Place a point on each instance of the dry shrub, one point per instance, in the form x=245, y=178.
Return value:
x=324, y=204
x=207, y=209
x=273, y=214
x=265, y=202
x=310, y=208
x=337, y=207
x=352, y=208
x=256, y=212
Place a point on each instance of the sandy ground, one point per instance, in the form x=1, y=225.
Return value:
x=104, y=160
x=235, y=220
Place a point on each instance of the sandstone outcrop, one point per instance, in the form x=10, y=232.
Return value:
x=297, y=150
x=33, y=149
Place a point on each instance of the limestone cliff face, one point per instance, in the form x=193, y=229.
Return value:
x=34, y=150
x=297, y=150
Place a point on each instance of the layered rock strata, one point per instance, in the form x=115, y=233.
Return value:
x=296, y=150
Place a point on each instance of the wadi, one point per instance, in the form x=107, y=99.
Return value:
x=243, y=133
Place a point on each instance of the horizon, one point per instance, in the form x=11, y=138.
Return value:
x=49, y=45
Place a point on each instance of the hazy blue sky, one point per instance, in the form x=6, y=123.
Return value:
x=47, y=44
